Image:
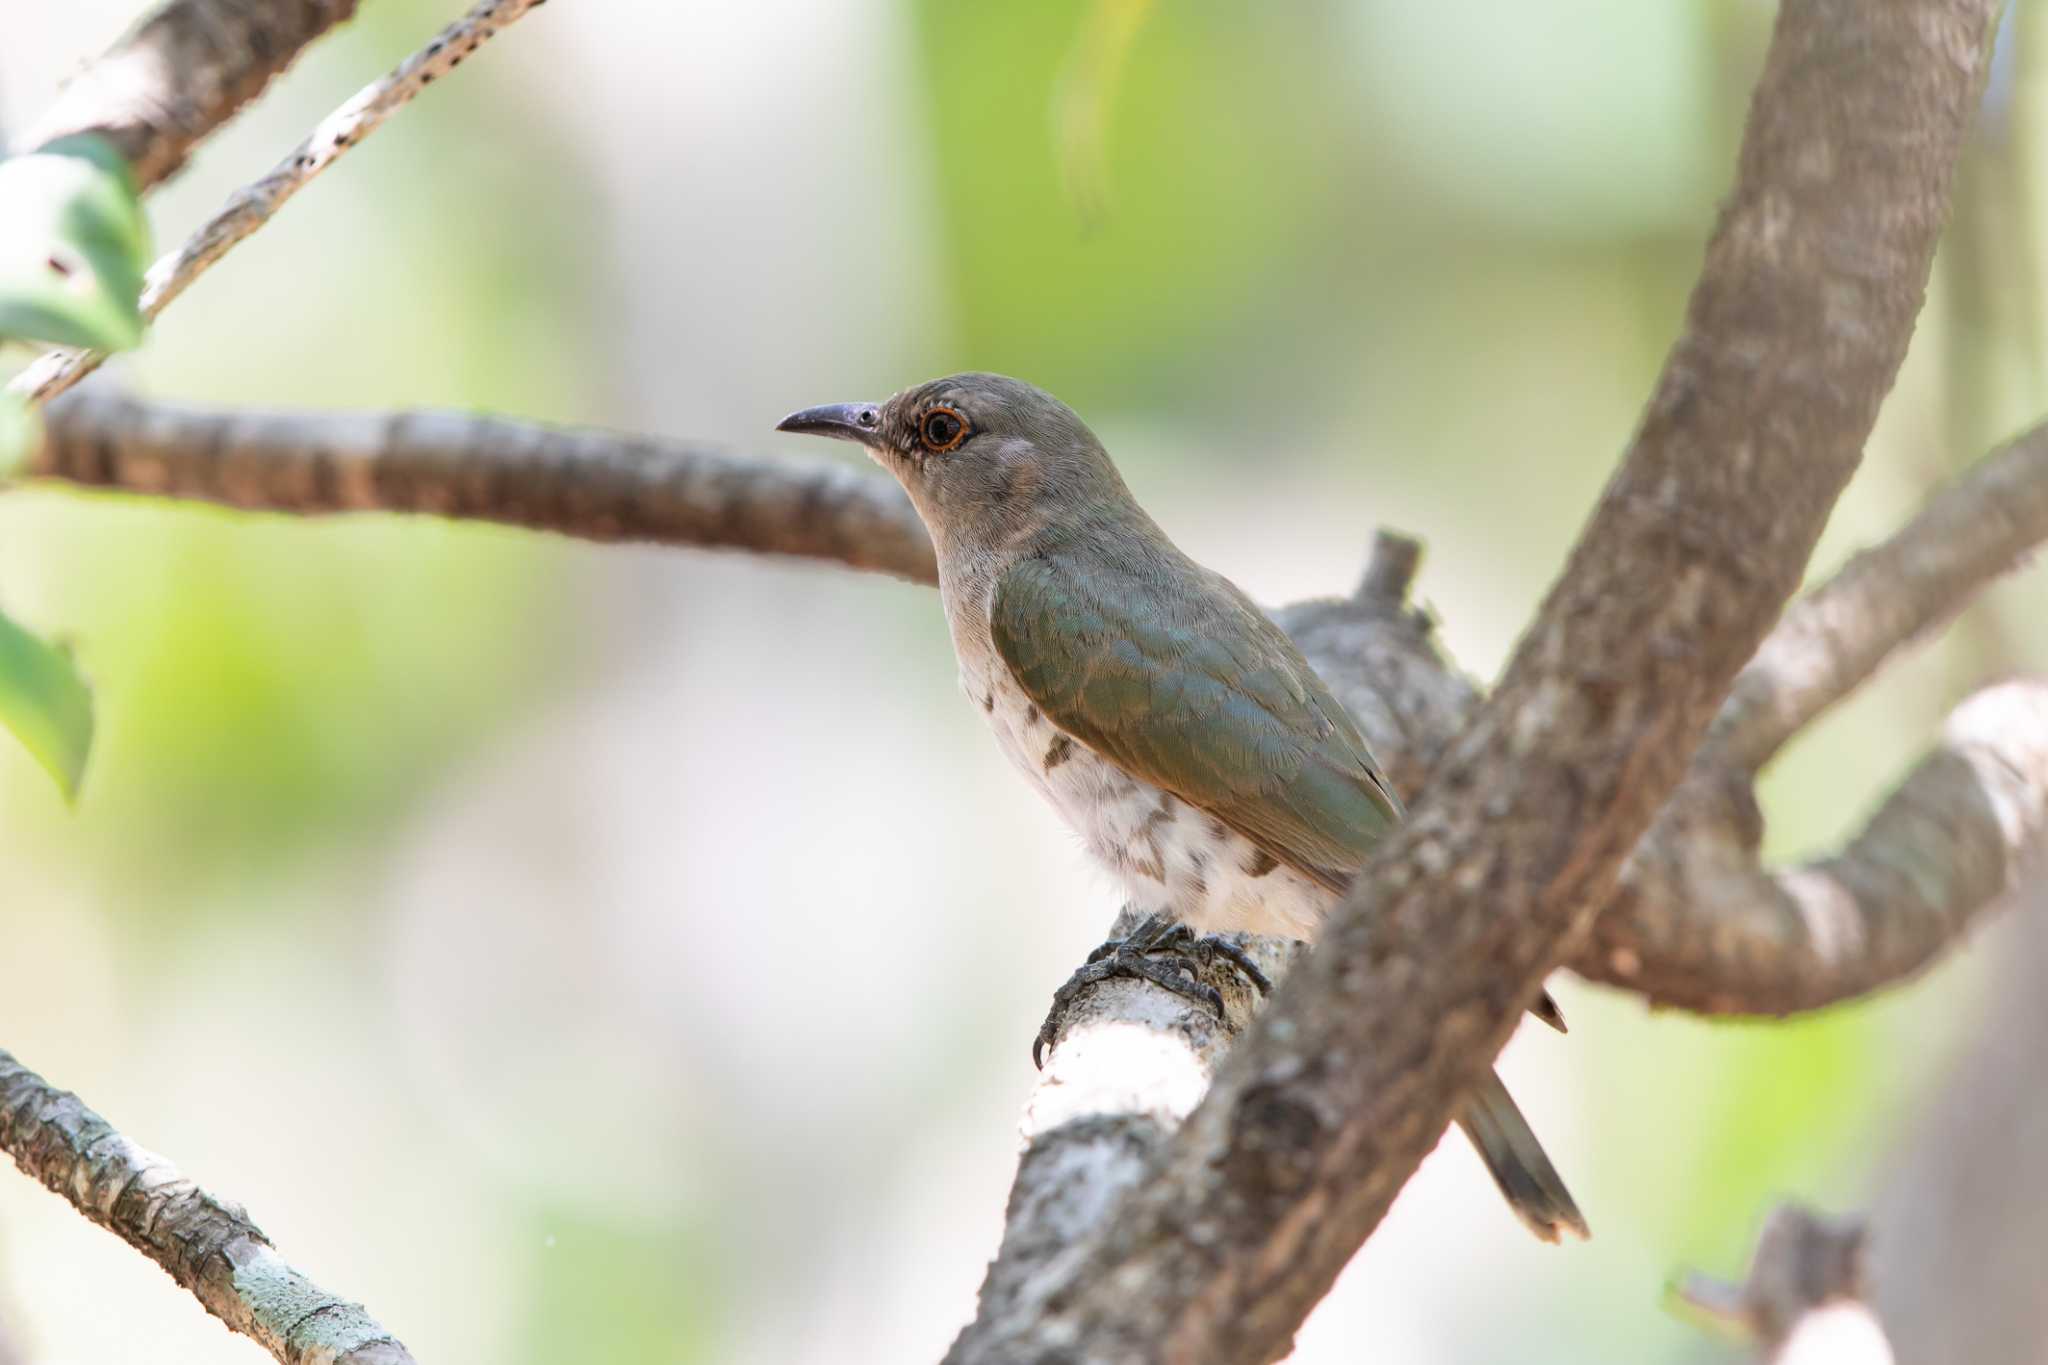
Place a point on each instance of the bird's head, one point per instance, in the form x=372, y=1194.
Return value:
x=982, y=456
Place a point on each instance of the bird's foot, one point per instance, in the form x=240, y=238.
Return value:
x=1162, y=951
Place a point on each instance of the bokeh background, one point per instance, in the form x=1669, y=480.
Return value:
x=621, y=954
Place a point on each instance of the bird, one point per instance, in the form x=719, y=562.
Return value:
x=1168, y=720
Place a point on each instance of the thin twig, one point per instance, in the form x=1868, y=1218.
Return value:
x=1802, y=1302
x=208, y=1245
x=253, y=205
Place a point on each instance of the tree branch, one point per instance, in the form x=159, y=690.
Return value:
x=181, y=73
x=1978, y=527
x=1699, y=876
x=1804, y=1300
x=1795, y=332
x=1697, y=922
x=592, y=484
x=208, y=1245
x=252, y=206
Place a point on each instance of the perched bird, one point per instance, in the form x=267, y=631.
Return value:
x=1169, y=721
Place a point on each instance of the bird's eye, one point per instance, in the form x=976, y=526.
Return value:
x=941, y=430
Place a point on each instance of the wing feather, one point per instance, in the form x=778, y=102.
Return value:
x=1197, y=692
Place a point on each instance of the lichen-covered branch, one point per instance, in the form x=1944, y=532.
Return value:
x=182, y=72
x=1795, y=332
x=593, y=484
x=208, y=1245
x=252, y=206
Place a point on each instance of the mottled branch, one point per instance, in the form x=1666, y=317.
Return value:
x=1803, y=1301
x=1977, y=528
x=1697, y=922
x=1129, y=1063
x=250, y=207
x=207, y=1245
x=591, y=484
x=1795, y=332
x=182, y=72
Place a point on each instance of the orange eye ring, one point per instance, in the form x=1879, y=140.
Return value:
x=942, y=429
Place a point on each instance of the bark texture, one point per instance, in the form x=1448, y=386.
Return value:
x=183, y=71
x=207, y=1245
x=592, y=484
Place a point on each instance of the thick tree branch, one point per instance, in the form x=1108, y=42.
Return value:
x=1697, y=922
x=592, y=484
x=1700, y=875
x=252, y=205
x=208, y=1245
x=1794, y=335
x=181, y=73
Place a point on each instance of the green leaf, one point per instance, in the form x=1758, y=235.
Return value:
x=73, y=247
x=46, y=703
x=21, y=431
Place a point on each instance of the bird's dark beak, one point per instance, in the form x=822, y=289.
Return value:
x=845, y=421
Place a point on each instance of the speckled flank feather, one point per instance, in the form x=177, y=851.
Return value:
x=1192, y=748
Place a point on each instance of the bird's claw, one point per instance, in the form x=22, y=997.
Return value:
x=1164, y=952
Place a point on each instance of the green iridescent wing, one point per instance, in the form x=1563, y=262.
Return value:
x=1189, y=686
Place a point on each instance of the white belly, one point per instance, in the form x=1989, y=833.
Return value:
x=1170, y=857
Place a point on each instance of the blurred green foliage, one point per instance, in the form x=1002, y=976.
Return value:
x=46, y=703
x=73, y=247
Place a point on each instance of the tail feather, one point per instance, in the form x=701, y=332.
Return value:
x=1533, y=1188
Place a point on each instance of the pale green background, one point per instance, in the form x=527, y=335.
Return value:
x=618, y=954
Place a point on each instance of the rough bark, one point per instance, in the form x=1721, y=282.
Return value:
x=207, y=1244
x=592, y=484
x=1697, y=923
x=250, y=207
x=1794, y=334
x=182, y=72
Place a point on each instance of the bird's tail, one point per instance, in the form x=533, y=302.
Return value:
x=1532, y=1185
